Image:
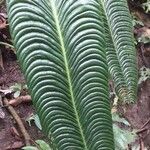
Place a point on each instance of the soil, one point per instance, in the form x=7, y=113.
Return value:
x=139, y=113
x=8, y=140
x=10, y=74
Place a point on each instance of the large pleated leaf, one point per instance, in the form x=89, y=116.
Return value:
x=61, y=47
x=121, y=54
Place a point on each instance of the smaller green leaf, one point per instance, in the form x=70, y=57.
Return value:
x=43, y=145
x=17, y=94
x=136, y=21
x=123, y=137
x=146, y=6
x=29, y=148
x=144, y=39
x=16, y=87
x=144, y=74
x=25, y=86
x=116, y=118
x=37, y=122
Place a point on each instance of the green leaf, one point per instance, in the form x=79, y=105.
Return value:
x=37, y=121
x=60, y=45
x=121, y=53
x=16, y=89
x=116, y=118
x=30, y=148
x=136, y=21
x=123, y=137
x=16, y=94
x=146, y=6
x=144, y=39
x=43, y=145
x=25, y=86
x=144, y=74
x=63, y=47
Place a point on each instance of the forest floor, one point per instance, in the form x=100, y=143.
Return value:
x=11, y=137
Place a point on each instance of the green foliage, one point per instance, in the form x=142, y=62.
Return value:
x=146, y=6
x=143, y=39
x=122, y=137
x=116, y=118
x=144, y=74
x=136, y=21
x=17, y=88
x=120, y=51
x=41, y=145
x=36, y=120
x=65, y=48
x=30, y=148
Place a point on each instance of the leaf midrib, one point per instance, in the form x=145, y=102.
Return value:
x=67, y=69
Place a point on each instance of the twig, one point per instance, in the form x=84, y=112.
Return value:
x=9, y=45
x=18, y=100
x=141, y=130
x=145, y=124
x=1, y=61
x=34, y=143
x=142, y=147
x=19, y=122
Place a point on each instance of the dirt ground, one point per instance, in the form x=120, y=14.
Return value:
x=8, y=139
